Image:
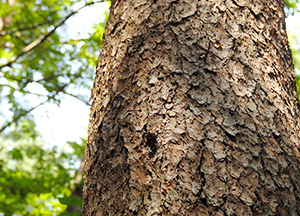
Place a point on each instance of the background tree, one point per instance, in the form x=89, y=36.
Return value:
x=194, y=112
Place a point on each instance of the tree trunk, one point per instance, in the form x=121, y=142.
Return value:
x=194, y=111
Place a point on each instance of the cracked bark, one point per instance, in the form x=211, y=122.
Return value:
x=194, y=111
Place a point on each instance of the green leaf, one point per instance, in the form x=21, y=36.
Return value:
x=71, y=201
x=291, y=6
x=70, y=214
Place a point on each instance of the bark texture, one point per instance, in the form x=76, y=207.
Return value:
x=194, y=111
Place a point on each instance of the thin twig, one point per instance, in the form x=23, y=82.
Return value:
x=22, y=91
x=21, y=115
x=77, y=97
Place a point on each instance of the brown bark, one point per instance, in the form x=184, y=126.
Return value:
x=194, y=111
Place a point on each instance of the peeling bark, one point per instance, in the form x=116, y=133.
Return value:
x=194, y=111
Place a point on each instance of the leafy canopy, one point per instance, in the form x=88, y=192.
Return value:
x=291, y=6
x=40, y=63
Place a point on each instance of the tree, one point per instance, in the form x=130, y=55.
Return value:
x=194, y=112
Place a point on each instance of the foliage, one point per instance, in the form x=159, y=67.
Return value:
x=294, y=42
x=295, y=48
x=71, y=200
x=32, y=176
x=291, y=6
x=40, y=63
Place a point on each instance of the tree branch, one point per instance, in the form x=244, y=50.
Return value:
x=9, y=31
x=38, y=41
x=21, y=91
x=77, y=97
x=16, y=118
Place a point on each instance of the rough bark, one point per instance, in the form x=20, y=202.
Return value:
x=194, y=111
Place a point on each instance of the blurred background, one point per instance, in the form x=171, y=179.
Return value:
x=48, y=54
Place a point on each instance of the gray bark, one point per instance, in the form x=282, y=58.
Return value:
x=194, y=111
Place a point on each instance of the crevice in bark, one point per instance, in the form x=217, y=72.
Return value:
x=115, y=28
x=150, y=138
x=256, y=16
x=209, y=71
x=237, y=5
x=252, y=206
x=133, y=212
x=204, y=201
x=100, y=127
x=231, y=137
